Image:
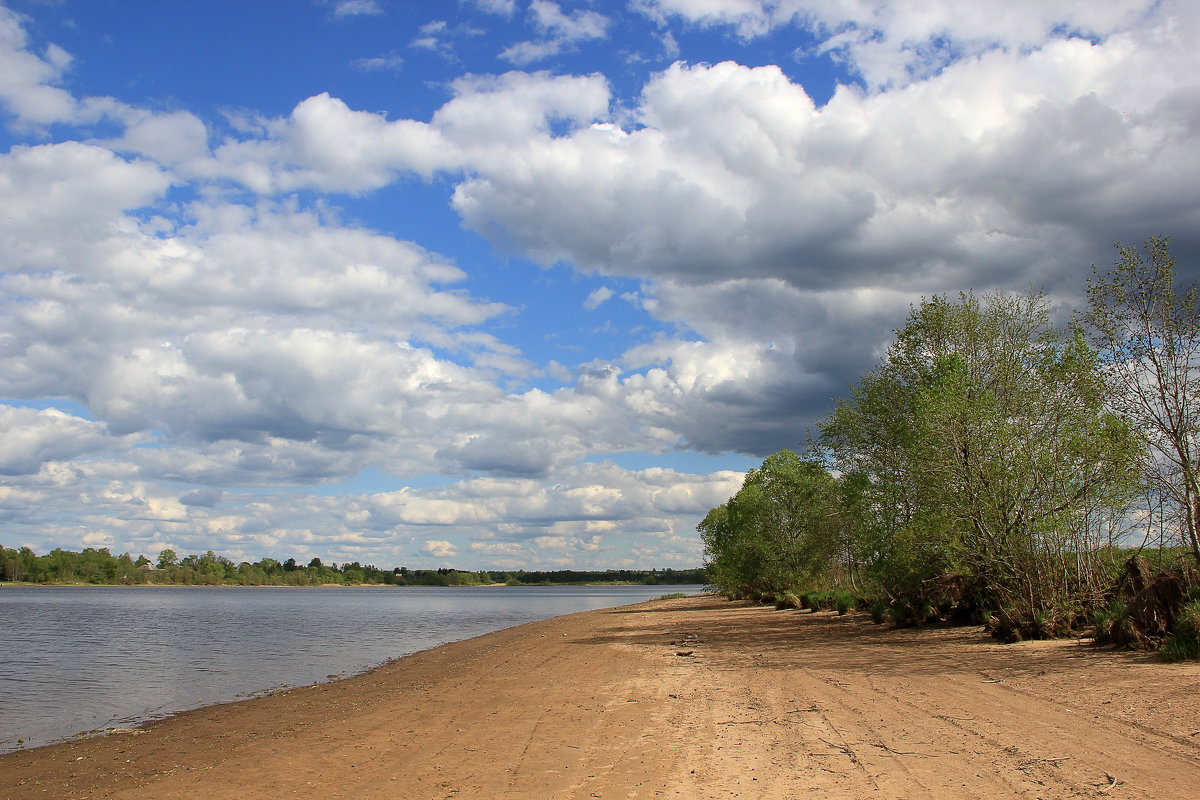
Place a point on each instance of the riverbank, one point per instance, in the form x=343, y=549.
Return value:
x=691, y=698
x=666, y=587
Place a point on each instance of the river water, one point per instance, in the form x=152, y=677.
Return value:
x=82, y=659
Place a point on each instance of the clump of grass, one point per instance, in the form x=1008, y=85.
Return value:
x=879, y=611
x=1184, y=642
x=672, y=596
x=1045, y=624
x=903, y=613
x=844, y=602
x=787, y=600
x=838, y=600
x=1113, y=625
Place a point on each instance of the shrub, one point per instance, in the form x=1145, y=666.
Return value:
x=879, y=612
x=787, y=600
x=1002, y=624
x=1113, y=625
x=843, y=602
x=903, y=613
x=1043, y=625
x=1184, y=641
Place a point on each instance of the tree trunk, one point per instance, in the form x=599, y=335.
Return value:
x=1193, y=519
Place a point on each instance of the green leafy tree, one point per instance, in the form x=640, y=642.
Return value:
x=269, y=566
x=796, y=515
x=990, y=455
x=777, y=532
x=167, y=558
x=250, y=575
x=126, y=570
x=96, y=566
x=853, y=523
x=10, y=561
x=61, y=565
x=734, y=556
x=211, y=568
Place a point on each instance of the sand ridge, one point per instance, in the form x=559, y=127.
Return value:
x=686, y=698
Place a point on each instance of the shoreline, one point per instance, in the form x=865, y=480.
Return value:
x=23, y=585
x=696, y=697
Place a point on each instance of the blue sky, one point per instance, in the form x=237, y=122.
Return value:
x=500, y=284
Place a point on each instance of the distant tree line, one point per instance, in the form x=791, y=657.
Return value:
x=995, y=467
x=651, y=577
x=100, y=566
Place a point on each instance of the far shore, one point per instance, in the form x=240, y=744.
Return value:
x=696, y=697
x=666, y=587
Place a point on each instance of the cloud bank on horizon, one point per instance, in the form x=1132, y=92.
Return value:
x=500, y=284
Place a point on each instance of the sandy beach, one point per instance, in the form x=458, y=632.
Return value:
x=690, y=698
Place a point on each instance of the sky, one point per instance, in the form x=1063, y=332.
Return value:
x=498, y=284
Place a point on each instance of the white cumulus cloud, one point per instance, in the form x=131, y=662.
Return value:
x=557, y=31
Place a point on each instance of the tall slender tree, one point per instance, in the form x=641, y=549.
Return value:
x=1147, y=332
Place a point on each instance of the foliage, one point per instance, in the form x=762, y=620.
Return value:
x=854, y=543
x=733, y=560
x=1148, y=336
x=1112, y=625
x=1150, y=604
x=987, y=454
x=101, y=567
x=1184, y=642
x=838, y=600
x=989, y=468
x=786, y=601
x=843, y=603
x=647, y=577
x=777, y=532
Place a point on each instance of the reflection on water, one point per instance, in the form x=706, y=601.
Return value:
x=85, y=658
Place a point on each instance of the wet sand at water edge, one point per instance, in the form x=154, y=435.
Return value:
x=688, y=698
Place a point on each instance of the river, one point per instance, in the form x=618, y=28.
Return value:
x=85, y=659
